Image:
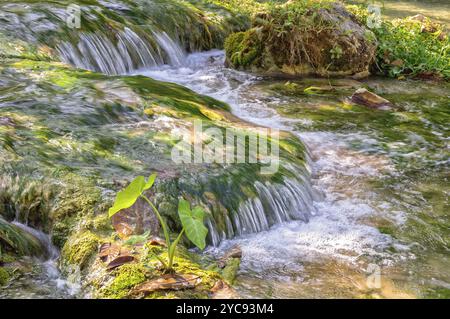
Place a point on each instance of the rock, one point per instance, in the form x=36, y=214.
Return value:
x=230, y=263
x=324, y=41
x=363, y=97
x=418, y=17
x=222, y=290
x=233, y=252
x=229, y=272
x=427, y=25
x=7, y=121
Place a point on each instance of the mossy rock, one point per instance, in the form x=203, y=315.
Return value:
x=79, y=249
x=4, y=276
x=121, y=282
x=301, y=38
x=243, y=49
x=125, y=278
x=18, y=242
x=230, y=271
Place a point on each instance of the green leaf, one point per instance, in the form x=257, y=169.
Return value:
x=192, y=222
x=150, y=182
x=128, y=196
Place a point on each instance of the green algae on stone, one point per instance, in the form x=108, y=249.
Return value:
x=126, y=277
x=303, y=37
x=243, y=48
x=18, y=242
x=79, y=249
x=4, y=276
x=230, y=271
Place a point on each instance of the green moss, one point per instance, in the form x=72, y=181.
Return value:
x=125, y=278
x=302, y=37
x=243, y=49
x=79, y=249
x=18, y=242
x=4, y=276
x=230, y=271
x=437, y=293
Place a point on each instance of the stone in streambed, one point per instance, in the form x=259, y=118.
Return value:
x=233, y=252
x=230, y=263
x=366, y=98
x=222, y=290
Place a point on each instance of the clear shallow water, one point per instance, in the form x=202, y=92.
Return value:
x=364, y=217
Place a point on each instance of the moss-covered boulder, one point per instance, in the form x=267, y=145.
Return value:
x=16, y=241
x=303, y=37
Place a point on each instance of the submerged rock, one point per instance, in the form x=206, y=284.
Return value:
x=300, y=39
x=364, y=97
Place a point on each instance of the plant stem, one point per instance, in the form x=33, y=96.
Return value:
x=161, y=220
x=172, y=249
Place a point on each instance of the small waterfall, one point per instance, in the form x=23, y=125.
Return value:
x=173, y=50
x=45, y=240
x=275, y=203
x=127, y=52
x=51, y=277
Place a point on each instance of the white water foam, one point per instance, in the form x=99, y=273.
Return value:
x=336, y=230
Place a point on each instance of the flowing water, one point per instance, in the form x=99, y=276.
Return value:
x=366, y=192
x=39, y=277
x=373, y=200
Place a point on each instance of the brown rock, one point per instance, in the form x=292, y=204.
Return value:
x=233, y=252
x=364, y=97
x=222, y=290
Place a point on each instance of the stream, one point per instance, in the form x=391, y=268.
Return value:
x=347, y=238
x=42, y=278
x=379, y=195
x=380, y=189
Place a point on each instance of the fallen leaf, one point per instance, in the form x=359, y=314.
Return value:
x=135, y=220
x=119, y=261
x=169, y=282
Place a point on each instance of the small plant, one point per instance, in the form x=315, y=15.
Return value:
x=191, y=220
x=336, y=52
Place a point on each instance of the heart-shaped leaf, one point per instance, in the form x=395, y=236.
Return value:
x=192, y=222
x=128, y=196
x=150, y=182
